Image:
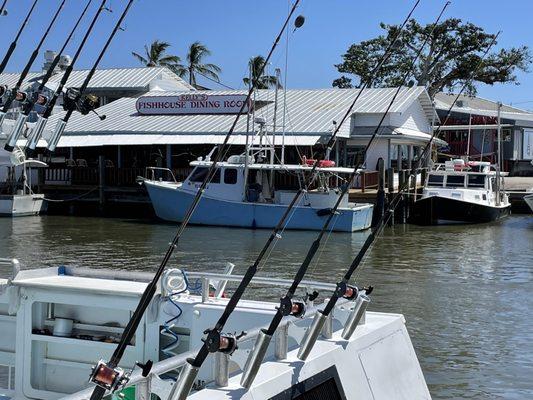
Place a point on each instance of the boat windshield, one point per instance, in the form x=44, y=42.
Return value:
x=199, y=174
x=435, y=180
x=455, y=181
x=476, y=181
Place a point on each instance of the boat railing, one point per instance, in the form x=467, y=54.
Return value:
x=156, y=173
x=288, y=337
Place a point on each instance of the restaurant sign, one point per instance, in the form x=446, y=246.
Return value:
x=191, y=104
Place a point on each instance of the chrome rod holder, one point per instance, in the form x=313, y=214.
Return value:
x=56, y=135
x=361, y=303
x=251, y=368
x=36, y=133
x=327, y=330
x=221, y=369
x=281, y=342
x=311, y=335
x=2, y=119
x=15, y=134
x=185, y=382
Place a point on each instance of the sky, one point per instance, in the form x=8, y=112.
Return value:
x=235, y=30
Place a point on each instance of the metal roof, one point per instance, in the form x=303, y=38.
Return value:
x=310, y=113
x=105, y=79
x=484, y=107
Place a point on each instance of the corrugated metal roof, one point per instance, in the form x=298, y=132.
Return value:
x=105, y=79
x=480, y=106
x=309, y=113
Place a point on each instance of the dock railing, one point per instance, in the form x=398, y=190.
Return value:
x=288, y=337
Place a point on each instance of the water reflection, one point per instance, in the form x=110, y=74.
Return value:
x=465, y=290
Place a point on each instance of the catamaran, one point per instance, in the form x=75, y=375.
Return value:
x=459, y=191
x=247, y=191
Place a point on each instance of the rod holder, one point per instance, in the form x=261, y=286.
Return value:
x=35, y=134
x=2, y=119
x=311, y=335
x=15, y=134
x=221, y=369
x=281, y=342
x=58, y=132
x=183, y=386
x=361, y=303
x=255, y=359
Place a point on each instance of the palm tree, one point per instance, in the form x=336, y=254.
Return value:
x=259, y=82
x=195, y=57
x=155, y=56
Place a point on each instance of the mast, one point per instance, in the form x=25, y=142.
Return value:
x=247, y=144
x=342, y=290
x=499, y=158
x=13, y=44
x=73, y=98
x=14, y=94
x=3, y=10
x=40, y=125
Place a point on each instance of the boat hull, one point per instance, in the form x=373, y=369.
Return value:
x=434, y=210
x=171, y=204
x=22, y=205
x=529, y=201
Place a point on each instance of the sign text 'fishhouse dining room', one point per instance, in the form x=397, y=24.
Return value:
x=191, y=104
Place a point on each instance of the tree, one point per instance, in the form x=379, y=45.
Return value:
x=155, y=56
x=195, y=57
x=448, y=60
x=259, y=82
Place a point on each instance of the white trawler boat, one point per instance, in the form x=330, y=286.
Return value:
x=17, y=198
x=460, y=191
x=243, y=193
x=56, y=321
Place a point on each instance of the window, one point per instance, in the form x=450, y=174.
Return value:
x=455, y=181
x=476, y=181
x=199, y=174
x=230, y=176
x=435, y=180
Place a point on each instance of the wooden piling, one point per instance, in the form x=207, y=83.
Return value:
x=379, y=209
x=101, y=182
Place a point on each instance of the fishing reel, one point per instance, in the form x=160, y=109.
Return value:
x=289, y=307
x=3, y=90
x=343, y=290
x=225, y=343
x=114, y=379
x=73, y=100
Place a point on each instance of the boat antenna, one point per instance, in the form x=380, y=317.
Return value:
x=40, y=125
x=13, y=44
x=3, y=10
x=343, y=288
x=226, y=343
x=297, y=308
x=103, y=369
x=74, y=99
x=14, y=94
x=37, y=97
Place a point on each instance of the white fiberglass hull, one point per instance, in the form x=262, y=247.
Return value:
x=22, y=205
x=529, y=201
x=171, y=203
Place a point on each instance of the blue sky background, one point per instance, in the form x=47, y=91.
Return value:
x=235, y=30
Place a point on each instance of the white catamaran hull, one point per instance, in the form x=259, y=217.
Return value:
x=22, y=205
x=171, y=203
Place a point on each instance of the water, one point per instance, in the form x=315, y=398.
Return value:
x=465, y=290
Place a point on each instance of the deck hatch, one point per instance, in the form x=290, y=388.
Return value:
x=325, y=385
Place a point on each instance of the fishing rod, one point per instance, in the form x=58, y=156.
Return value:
x=216, y=341
x=3, y=10
x=107, y=375
x=40, y=125
x=14, y=94
x=13, y=44
x=296, y=308
x=362, y=301
x=74, y=100
x=37, y=96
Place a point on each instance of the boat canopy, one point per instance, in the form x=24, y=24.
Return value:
x=275, y=167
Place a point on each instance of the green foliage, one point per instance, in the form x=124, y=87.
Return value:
x=156, y=56
x=259, y=82
x=454, y=50
x=195, y=65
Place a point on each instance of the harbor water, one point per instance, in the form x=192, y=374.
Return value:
x=465, y=291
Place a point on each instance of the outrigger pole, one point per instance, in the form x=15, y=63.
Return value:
x=287, y=305
x=13, y=44
x=3, y=10
x=227, y=343
x=43, y=119
x=74, y=100
x=14, y=94
x=361, y=300
x=37, y=97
